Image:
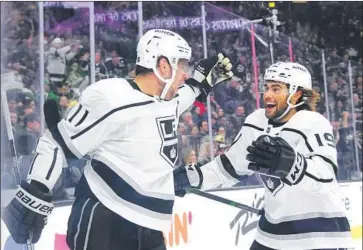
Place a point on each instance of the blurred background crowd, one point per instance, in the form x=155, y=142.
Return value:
x=306, y=32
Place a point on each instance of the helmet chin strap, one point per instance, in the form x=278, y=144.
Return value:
x=168, y=82
x=282, y=113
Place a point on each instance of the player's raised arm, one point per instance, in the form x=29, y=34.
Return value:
x=200, y=84
x=64, y=139
x=226, y=169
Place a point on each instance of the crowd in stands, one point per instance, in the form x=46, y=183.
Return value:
x=67, y=71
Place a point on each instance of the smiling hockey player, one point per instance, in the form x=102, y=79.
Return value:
x=292, y=147
x=128, y=128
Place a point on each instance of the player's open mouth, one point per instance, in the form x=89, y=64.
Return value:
x=269, y=106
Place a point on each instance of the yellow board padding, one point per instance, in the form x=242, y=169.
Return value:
x=271, y=5
x=356, y=232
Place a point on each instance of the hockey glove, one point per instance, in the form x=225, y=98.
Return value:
x=204, y=71
x=186, y=177
x=274, y=156
x=26, y=214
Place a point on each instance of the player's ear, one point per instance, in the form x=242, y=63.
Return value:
x=295, y=98
x=164, y=67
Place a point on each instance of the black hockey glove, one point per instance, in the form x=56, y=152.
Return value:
x=186, y=177
x=204, y=71
x=274, y=156
x=26, y=214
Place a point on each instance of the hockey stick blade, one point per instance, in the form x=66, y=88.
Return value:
x=51, y=113
x=225, y=201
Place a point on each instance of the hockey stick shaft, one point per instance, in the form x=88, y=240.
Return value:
x=9, y=130
x=225, y=201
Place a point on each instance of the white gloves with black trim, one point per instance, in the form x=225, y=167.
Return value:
x=209, y=72
x=274, y=156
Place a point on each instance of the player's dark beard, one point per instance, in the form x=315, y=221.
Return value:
x=279, y=112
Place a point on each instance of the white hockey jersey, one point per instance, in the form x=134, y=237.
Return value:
x=133, y=136
x=308, y=215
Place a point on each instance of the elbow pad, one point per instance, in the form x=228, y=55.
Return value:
x=48, y=161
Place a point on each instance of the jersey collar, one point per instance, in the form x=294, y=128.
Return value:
x=275, y=124
x=136, y=87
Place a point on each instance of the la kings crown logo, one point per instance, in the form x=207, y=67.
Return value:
x=167, y=131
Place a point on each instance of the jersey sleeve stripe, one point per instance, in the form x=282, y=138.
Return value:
x=234, y=142
x=126, y=192
x=75, y=113
x=82, y=119
x=68, y=152
x=32, y=165
x=335, y=167
x=302, y=135
x=227, y=165
x=108, y=114
x=252, y=126
x=53, y=164
x=318, y=179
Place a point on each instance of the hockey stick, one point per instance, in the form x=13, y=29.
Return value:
x=225, y=201
x=9, y=130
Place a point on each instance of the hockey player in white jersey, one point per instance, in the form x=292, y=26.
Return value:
x=292, y=148
x=128, y=128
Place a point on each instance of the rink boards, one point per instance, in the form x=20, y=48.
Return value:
x=199, y=223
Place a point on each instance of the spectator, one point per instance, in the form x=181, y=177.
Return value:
x=203, y=128
x=197, y=116
x=220, y=144
x=188, y=120
x=116, y=65
x=27, y=138
x=233, y=96
x=75, y=78
x=238, y=118
x=101, y=70
x=57, y=58
x=63, y=105
x=19, y=27
x=194, y=139
x=189, y=156
x=205, y=153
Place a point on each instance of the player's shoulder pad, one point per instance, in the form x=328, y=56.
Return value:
x=117, y=92
x=94, y=98
x=257, y=118
x=308, y=121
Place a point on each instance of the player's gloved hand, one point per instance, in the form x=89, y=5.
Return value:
x=26, y=214
x=274, y=156
x=202, y=77
x=185, y=177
